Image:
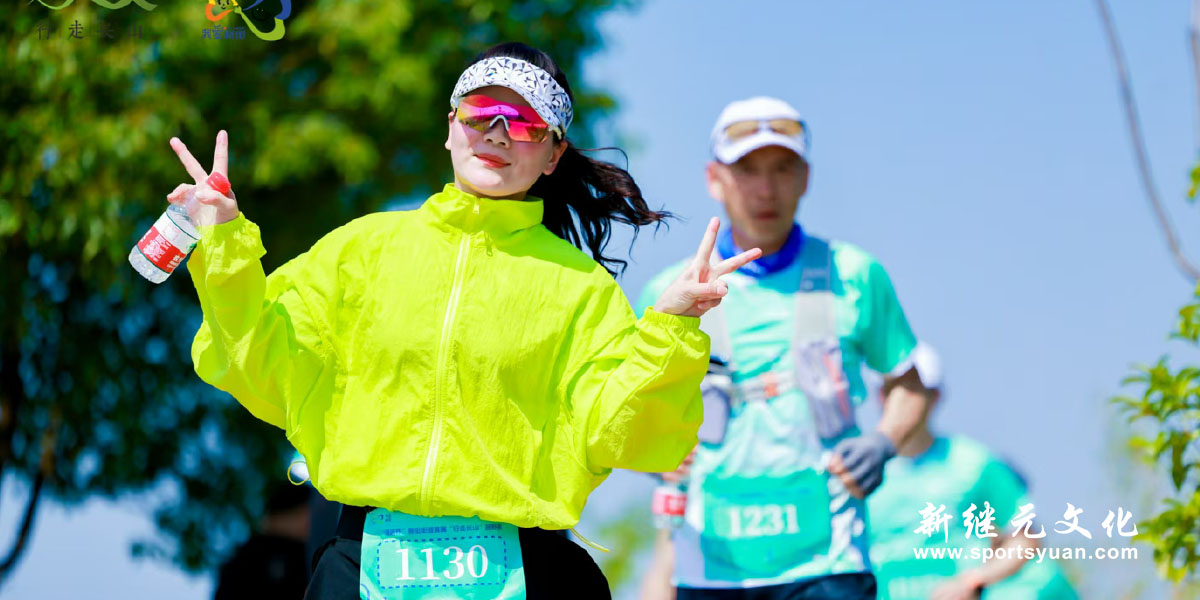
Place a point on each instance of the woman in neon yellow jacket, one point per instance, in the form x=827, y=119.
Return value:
x=464, y=364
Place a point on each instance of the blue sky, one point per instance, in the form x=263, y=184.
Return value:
x=978, y=150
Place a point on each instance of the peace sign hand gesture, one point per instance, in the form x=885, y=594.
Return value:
x=699, y=287
x=211, y=207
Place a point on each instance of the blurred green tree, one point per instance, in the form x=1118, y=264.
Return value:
x=344, y=115
x=1165, y=413
x=630, y=534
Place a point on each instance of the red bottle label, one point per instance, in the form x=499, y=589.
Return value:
x=669, y=502
x=159, y=250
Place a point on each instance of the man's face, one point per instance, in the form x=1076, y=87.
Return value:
x=760, y=192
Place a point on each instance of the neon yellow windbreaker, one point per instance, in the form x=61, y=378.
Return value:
x=458, y=359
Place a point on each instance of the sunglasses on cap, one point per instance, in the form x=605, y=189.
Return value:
x=742, y=129
x=522, y=123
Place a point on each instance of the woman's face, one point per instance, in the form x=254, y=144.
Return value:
x=491, y=165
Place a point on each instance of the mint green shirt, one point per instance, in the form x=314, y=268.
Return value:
x=955, y=472
x=776, y=440
x=870, y=321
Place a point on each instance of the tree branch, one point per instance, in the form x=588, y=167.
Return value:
x=18, y=548
x=46, y=464
x=12, y=391
x=1194, y=44
x=1139, y=146
x=12, y=388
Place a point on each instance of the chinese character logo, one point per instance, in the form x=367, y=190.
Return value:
x=934, y=520
x=263, y=17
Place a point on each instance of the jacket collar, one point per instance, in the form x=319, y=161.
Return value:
x=500, y=218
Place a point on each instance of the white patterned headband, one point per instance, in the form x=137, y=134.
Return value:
x=532, y=82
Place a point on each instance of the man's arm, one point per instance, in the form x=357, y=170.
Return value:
x=968, y=584
x=906, y=407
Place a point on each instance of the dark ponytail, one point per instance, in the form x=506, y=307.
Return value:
x=583, y=196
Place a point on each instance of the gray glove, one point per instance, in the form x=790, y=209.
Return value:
x=864, y=457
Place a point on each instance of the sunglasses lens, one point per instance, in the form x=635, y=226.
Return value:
x=521, y=131
x=476, y=123
x=741, y=129
x=786, y=127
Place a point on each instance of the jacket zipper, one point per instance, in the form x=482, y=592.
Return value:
x=443, y=351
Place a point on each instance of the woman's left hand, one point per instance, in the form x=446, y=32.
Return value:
x=699, y=287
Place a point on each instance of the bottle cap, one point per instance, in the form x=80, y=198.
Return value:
x=219, y=182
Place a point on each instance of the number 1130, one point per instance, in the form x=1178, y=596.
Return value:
x=476, y=568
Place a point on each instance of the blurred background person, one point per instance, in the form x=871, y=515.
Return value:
x=773, y=504
x=965, y=477
x=274, y=562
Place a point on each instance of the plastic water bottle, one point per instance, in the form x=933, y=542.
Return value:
x=668, y=506
x=174, y=235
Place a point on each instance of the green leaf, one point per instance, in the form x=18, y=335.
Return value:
x=1195, y=182
x=1178, y=468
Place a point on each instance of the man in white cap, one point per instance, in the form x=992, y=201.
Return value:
x=775, y=494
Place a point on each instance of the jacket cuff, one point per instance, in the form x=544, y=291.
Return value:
x=226, y=246
x=676, y=323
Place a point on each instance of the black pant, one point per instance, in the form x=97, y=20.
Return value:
x=848, y=586
x=555, y=567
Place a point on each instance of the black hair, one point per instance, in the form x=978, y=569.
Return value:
x=583, y=196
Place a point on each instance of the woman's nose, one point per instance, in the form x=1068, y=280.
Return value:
x=498, y=133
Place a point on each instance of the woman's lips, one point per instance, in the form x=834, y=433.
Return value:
x=492, y=160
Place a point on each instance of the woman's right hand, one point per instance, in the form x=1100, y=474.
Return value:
x=226, y=208
x=699, y=287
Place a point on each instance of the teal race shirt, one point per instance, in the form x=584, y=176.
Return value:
x=955, y=472
x=761, y=508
